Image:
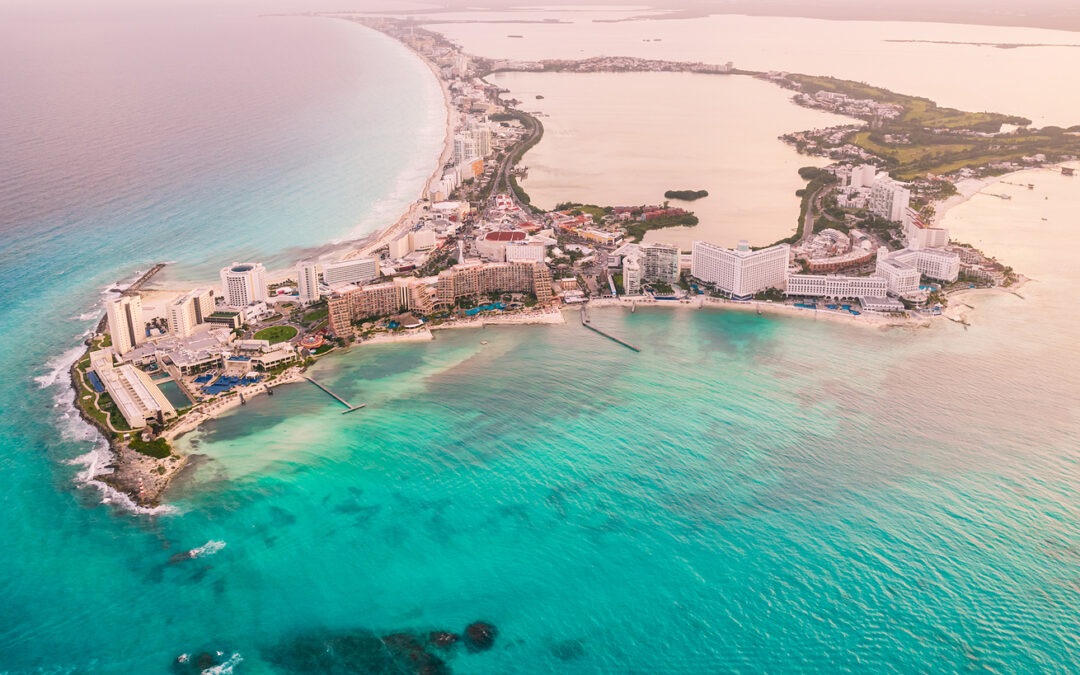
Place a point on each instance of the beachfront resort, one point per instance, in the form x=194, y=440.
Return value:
x=473, y=251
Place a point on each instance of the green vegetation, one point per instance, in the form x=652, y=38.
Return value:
x=637, y=229
x=810, y=172
x=533, y=128
x=157, y=448
x=519, y=192
x=928, y=139
x=918, y=112
x=597, y=212
x=770, y=294
x=316, y=315
x=821, y=180
x=276, y=334
x=686, y=195
x=439, y=261
x=661, y=288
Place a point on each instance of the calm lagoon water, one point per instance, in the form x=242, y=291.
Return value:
x=964, y=76
x=626, y=138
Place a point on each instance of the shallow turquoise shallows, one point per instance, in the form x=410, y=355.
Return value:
x=745, y=494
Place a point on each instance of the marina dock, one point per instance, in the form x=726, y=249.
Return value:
x=350, y=407
x=585, y=322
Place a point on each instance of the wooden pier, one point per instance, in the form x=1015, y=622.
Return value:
x=350, y=407
x=585, y=322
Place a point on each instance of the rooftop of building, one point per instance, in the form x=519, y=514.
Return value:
x=505, y=235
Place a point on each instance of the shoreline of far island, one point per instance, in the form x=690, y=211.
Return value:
x=471, y=251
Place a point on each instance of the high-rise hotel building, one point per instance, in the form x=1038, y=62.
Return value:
x=243, y=284
x=190, y=310
x=307, y=283
x=739, y=272
x=126, y=325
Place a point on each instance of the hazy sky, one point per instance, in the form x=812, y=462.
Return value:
x=1059, y=14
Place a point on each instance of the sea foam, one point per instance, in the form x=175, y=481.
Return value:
x=209, y=548
x=226, y=667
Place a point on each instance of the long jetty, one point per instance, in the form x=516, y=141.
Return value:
x=134, y=288
x=350, y=407
x=585, y=322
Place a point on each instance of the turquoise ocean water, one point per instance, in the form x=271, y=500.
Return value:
x=745, y=495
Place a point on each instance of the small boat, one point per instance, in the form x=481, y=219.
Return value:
x=483, y=342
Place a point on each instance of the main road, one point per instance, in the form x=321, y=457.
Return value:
x=533, y=131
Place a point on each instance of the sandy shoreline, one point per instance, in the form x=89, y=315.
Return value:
x=866, y=319
x=552, y=316
x=969, y=187
x=412, y=214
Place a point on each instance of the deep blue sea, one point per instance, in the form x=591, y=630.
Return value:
x=747, y=494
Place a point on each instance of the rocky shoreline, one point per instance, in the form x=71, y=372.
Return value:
x=142, y=478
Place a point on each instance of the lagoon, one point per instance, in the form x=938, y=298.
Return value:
x=616, y=139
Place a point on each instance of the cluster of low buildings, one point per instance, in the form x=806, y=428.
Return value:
x=609, y=64
x=848, y=105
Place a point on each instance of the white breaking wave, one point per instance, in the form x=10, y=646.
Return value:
x=207, y=549
x=73, y=427
x=226, y=667
x=96, y=463
x=59, y=367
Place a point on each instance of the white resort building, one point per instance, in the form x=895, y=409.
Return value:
x=740, y=272
x=661, y=263
x=307, y=283
x=139, y=400
x=355, y=271
x=126, y=325
x=920, y=235
x=190, y=310
x=903, y=269
x=889, y=199
x=243, y=284
x=835, y=286
x=632, y=269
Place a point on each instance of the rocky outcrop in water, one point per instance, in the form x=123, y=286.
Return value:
x=480, y=636
x=443, y=639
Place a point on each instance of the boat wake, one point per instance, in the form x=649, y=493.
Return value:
x=207, y=549
x=225, y=668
